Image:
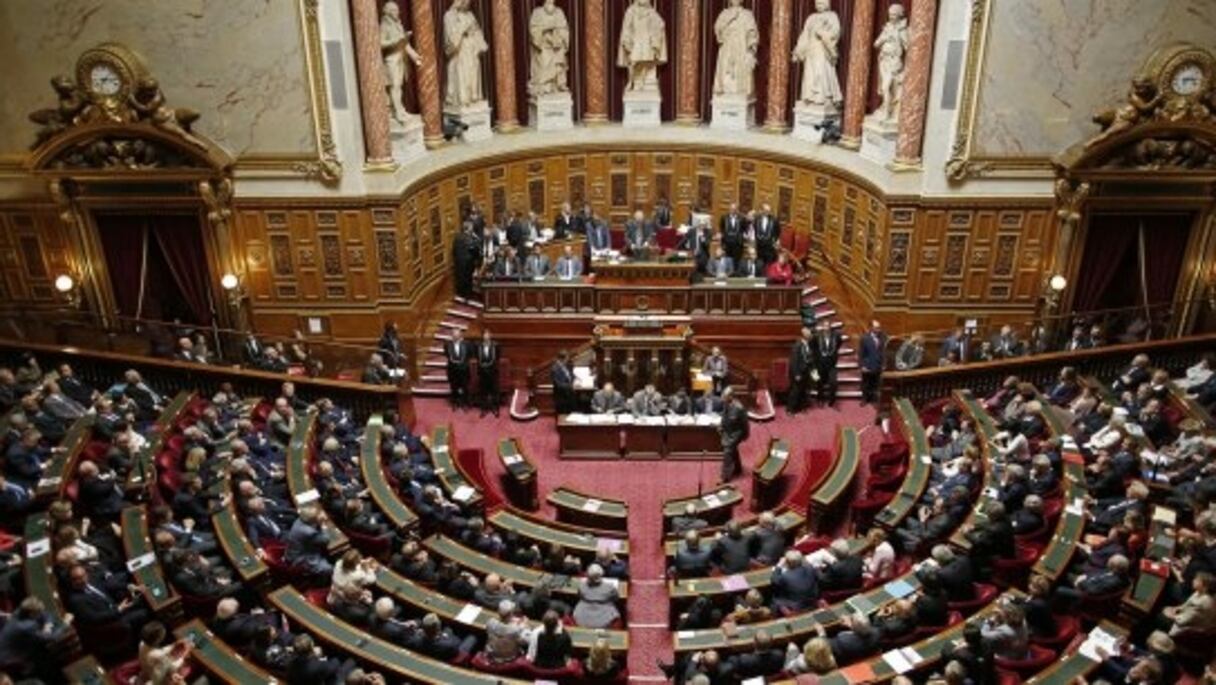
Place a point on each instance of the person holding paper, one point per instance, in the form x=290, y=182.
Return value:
x=607, y=400
x=647, y=402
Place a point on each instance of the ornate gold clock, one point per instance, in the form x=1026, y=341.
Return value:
x=108, y=74
x=1181, y=70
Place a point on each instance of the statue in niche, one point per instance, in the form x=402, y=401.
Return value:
x=463, y=44
x=149, y=102
x=643, y=46
x=550, y=34
x=738, y=39
x=891, y=45
x=818, y=50
x=395, y=47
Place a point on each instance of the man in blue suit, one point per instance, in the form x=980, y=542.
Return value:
x=599, y=238
x=794, y=584
x=872, y=353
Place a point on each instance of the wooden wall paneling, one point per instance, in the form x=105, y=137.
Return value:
x=357, y=241
x=928, y=253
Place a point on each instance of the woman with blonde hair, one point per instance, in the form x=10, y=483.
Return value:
x=599, y=664
x=816, y=657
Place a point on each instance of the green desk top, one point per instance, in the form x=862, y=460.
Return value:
x=86, y=671
x=483, y=565
x=145, y=460
x=138, y=546
x=775, y=461
x=424, y=599
x=299, y=482
x=382, y=493
x=986, y=430
x=38, y=569
x=1071, y=526
x=539, y=532
x=457, y=487
x=218, y=659
x=1073, y=665
x=575, y=501
x=844, y=469
x=61, y=467
x=919, y=467
x=393, y=661
x=231, y=535
x=1144, y=594
x=724, y=497
x=513, y=459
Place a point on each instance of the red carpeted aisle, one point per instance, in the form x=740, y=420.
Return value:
x=644, y=485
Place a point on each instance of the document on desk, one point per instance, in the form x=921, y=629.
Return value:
x=468, y=615
x=578, y=419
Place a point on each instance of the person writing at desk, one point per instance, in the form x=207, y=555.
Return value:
x=640, y=235
x=647, y=402
x=607, y=401
x=722, y=266
x=569, y=267
x=780, y=272
x=750, y=266
x=537, y=265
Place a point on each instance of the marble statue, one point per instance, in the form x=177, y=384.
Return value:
x=550, y=34
x=395, y=47
x=463, y=44
x=891, y=45
x=738, y=39
x=818, y=49
x=643, y=46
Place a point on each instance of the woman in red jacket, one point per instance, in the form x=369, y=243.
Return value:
x=780, y=272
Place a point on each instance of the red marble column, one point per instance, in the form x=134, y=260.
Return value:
x=857, y=90
x=373, y=100
x=595, y=35
x=504, y=66
x=688, y=88
x=428, y=74
x=779, y=66
x=914, y=101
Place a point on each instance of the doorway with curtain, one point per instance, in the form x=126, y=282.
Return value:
x=1132, y=261
x=158, y=266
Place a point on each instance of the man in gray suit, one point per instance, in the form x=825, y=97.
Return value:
x=721, y=266
x=717, y=368
x=569, y=266
x=647, y=402
x=640, y=235
x=537, y=264
x=607, y=401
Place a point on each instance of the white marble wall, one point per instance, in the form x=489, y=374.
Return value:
x=238, y=62
x=1051, y=64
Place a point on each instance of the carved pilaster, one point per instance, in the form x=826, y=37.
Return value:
x=779, y=65
x=428, y=74
x=504, y=66
x=917, y=67
x=373, y=100
x=857, y=90
x=688, y=102
x=595, y=57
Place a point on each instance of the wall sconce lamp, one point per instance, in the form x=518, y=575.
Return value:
x=231, y=283
x=1052, y=289
x=68, y=289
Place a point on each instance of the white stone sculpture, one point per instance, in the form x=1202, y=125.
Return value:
x=738, y=39
x=892, y=45
x=643, y=46
x=818, y=50
x=395, y=47
x=550, y=34
x=463, y=45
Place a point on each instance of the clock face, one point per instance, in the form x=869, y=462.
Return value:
x=104, y=80
x=1187, y=79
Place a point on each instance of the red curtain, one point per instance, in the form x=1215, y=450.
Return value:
x=180, y=242
x=1111, y=241
x=1165, y=239
x=122, y=240
x=1110, y=266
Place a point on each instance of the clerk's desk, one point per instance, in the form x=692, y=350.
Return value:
x=608, y=436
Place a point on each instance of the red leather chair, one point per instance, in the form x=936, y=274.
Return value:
x=318, y=597
x=984, y=594
x=1094, y=608
x=1038, y=659
x=802, y=243
x=375, y=546
x=1011, y=572
x=572, y=671
x=891, y=480
x=511, y=669
x=175, y=443
x=1067, y=627
x=72, y=490
x=864, y=508
x=1004, y=677
x=779, y=378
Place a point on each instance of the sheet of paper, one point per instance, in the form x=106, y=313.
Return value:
x=307, y=496
x=440, y=449
x=468, y=614
x=686, y=634
x=511, y=459
x=899, y=588
x=37, y=548
x=712, y=500
x=1166, y=516
x=463, y=493
x=592, y=505
x=611, y=544
x=734, y=583
x=141, y=561
x=49, y=482
x=911, y=655
x=896, y=660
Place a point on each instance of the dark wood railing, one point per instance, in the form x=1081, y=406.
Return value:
x=925, y=385
x=102, y=369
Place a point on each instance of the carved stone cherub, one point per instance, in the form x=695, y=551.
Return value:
x=55, y=119
x=149, y=102
x=1141, y=102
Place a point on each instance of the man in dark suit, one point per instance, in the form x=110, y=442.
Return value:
x=750, y=266
x=991, y=538
x=735, y=428
x=794, y=585
x=599, y=238
x=564, y=223
x=23, y=459
x=709, y=403
x=1078, y=340
x=958, y=343
x=27, y=640
x=662, y=214
x=508, y=267
x=583, y=219
x=763, y=661
x=466, y=257
x=75, y=388
x=801, y=363
x=307, y=666
x=843, y=573
x=696, y=242
x=859, y=641
x=825, y=351
x=872, y=355
x=1135, y=374
x=14, y=498
x=732, y=551
x=1029, y=518
x=732, y=226
x=92, y=605
x=259, y=525
x=149, y=402
x=768, y=234
x=693, y=558
x=457, y=354
x=721, y=266
x=487, y=373
x=1104, y=583
x=569, y=266
x=517, y=233
x=640, y=235
x=99, y=496
x=537, y=264
x=308, y=543
x=439, y=642
x=562, y=377
x=235, y=627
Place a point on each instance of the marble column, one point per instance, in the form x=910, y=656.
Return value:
x=779, y=66
x=688, y=101
x=857, y=89
x=428, y=74
x=373, y=100
x=595, y=56
x=504, y=67
x=917, y=67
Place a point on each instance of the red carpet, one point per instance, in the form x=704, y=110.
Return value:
x=645, y=485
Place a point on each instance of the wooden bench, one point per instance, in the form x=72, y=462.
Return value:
x=143, y=471
x=713, y=506
x=580, y=509
x=475, y=617
x=396, y=663
x=578, y=542
x=218, y=659
x=483, y=565
x=832, y=491
x=60, y=469
x=144, y=565
x=1141, y=598
x=452, y=478
x=1192, y=408
x=299, y=482
x=920, y=465
x=382, y=493
x=767, y=474
x=521, y=480
x=234, y=541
